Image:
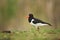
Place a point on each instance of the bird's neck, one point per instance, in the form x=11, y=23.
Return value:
x=30, y=18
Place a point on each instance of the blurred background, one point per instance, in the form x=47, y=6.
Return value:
x=12, y=18
x=13, y=12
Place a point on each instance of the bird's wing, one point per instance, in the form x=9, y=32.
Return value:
x=37, y=21
x=40, y=21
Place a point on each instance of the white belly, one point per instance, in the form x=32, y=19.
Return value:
x=38, y=24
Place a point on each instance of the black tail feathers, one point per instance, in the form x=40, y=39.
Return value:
x=49, y=24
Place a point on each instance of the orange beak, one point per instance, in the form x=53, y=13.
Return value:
x=27, y=16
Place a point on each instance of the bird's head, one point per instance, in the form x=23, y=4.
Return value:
x=29, y=16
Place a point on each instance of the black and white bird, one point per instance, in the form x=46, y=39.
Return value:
x=36, y=22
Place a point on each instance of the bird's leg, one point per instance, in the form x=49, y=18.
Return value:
x=37, y=28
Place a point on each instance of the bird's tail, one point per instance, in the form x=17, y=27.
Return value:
x=49, y=24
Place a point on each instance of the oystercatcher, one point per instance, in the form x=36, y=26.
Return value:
x=36, y=22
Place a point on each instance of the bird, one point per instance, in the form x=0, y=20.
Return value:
x=36, y=22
